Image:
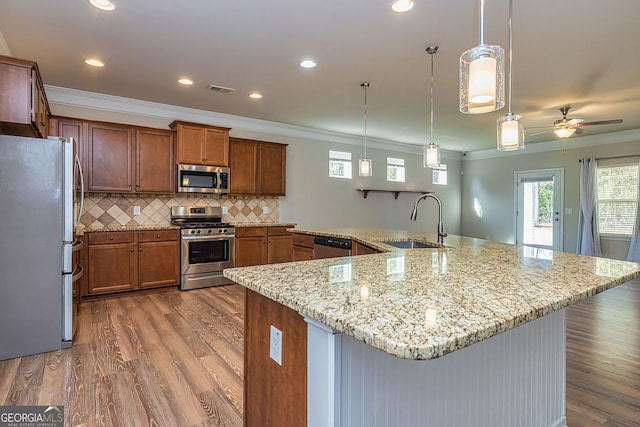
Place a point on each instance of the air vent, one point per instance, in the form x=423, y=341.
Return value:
x=221, y=89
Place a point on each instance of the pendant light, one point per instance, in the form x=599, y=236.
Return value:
x=365, y=164
x=510, y=127
x=482, y=76
x=431, y=152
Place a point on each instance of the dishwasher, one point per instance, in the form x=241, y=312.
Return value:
x=330, y=247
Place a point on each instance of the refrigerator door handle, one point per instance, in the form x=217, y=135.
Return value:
x=79, y=208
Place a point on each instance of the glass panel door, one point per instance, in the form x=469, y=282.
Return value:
x=539, y=208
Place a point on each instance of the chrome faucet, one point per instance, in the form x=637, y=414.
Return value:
x=414, y=214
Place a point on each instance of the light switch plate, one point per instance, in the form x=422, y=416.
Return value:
x=568, y=211
x=136, y=210
x=265, y=210
x=275, y=345
x=225, y=210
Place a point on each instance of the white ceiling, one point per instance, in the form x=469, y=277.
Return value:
x=583, y=53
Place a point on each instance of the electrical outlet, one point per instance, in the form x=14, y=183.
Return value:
x=265, y=210
x=275, y=345
x=136, y=210
x=225, y=210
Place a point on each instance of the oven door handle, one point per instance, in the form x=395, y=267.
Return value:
x=208, y=238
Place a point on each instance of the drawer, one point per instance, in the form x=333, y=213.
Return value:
x=304, y=240
x=278, y=231
x=111, y=237
x=251, y=231
x=158, y=236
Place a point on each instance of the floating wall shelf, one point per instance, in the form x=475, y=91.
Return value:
x=396, y=193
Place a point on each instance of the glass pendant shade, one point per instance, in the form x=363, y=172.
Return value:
x=564, y=131
x=431, y=155
x=482, y=79
x=364, y=167
x=510, y=132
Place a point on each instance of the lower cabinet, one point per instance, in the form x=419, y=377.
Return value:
x=302, y=247
x=262, y=245
x=130, y=260
x=360, y=249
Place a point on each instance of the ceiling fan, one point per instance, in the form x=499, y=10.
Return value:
x=565, y=127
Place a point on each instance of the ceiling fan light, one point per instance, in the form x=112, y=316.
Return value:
x=482, y=79
x=564, y=132
x=510, y=133
x=431, y=155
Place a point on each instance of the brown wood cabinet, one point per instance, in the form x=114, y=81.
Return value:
x=262, y=245
x=72, y=128
x=257, y=167
x=24, y=109
x=128, y=260
x=302, y=247
x=113, y=262
x=129, y=159
x=251, y=246
x=280, y=246
x=159, y=256
x=202, y=144
x=361, y=249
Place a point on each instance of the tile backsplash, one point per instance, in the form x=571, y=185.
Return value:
x=116, y=210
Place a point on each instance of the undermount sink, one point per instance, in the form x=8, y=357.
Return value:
x=409, y=244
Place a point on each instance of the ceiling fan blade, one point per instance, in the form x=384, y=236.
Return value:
x=529, y=135
x=579, y=131
x=601, y=122
x=574, y=121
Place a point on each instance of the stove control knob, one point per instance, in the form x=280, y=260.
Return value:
x=198, y=231
x=209, y=231
x=221, y=231
x=192, y=231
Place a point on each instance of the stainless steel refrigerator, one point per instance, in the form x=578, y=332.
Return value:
x=38, y=216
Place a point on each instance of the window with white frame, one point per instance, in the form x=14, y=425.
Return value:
x=440, y=175
x=339, y=164
x=395, y=169
x=617, y=198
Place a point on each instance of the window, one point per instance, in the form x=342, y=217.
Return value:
x=339, y=164
x=617, y=199
x=395, y=169
x=440, y=175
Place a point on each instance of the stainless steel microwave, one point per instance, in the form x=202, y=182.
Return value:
x=202, y=179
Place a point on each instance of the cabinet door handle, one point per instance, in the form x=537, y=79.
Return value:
x=137, y=185
x=131, y=249
x=158, y=236
x=111, y=238
x=140, y=249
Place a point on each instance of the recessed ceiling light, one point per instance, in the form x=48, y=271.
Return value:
x=402, y=5
x=94, y=62
x=185, y=81
x=103, y=4
x=308, y=63
x=255, y=95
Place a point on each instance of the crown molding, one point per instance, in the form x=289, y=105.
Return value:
x=559, y=145
x=101, y=102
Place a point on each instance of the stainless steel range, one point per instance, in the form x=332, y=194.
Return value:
x=207, y=246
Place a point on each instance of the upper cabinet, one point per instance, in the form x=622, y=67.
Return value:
x=24, y=110
x=257, y=167
x=201, y=144
x=129, y=159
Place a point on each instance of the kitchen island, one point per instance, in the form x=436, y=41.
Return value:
x=472, y=333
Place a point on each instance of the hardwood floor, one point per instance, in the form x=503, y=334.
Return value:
x=166, y=359
x=175, y=359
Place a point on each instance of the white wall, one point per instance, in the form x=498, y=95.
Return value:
x=492, y=181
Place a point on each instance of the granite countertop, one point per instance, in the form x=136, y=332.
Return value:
x=262, y=224
x=82, y=230
x=425, y=303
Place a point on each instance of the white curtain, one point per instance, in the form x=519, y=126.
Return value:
x=634, y=248
x=588, y=236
